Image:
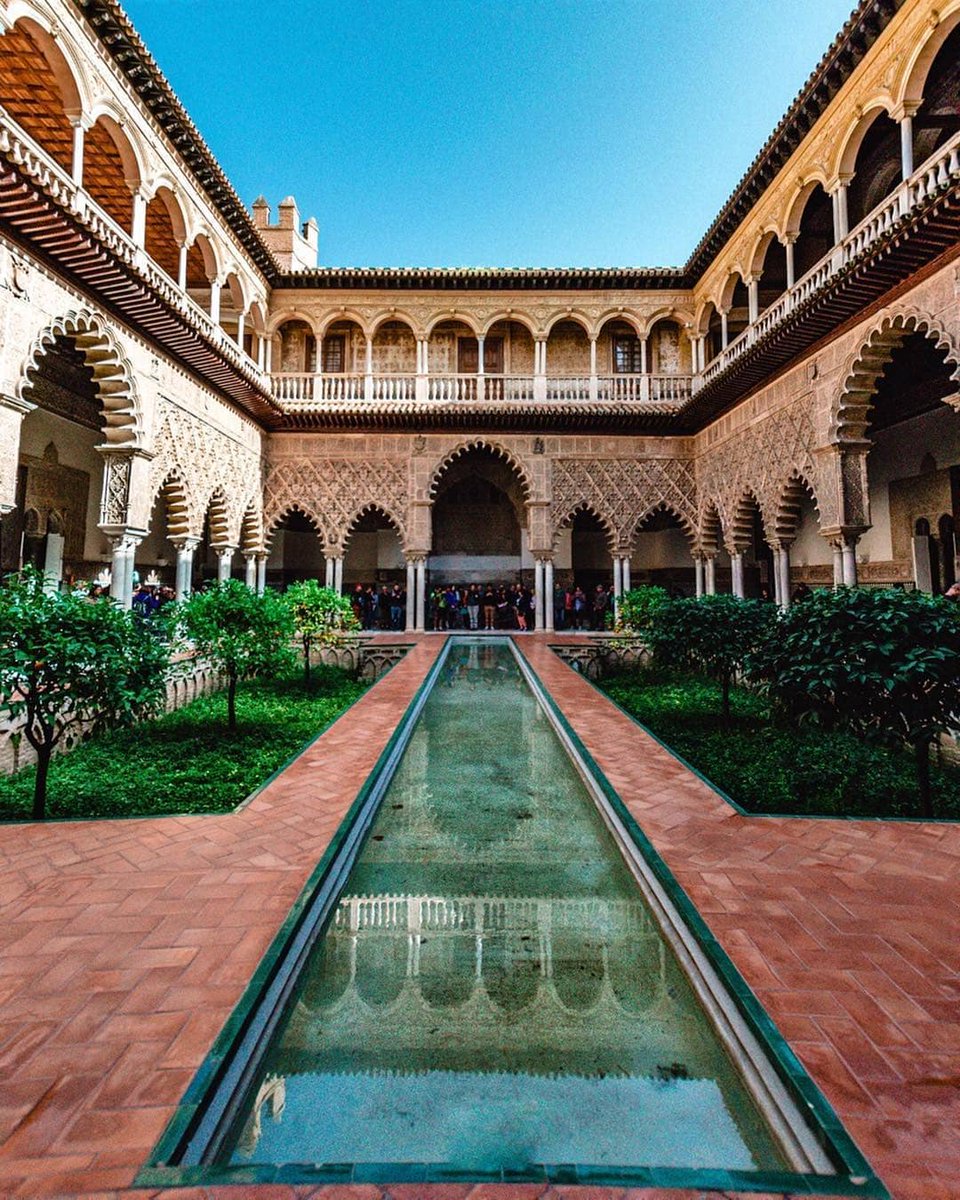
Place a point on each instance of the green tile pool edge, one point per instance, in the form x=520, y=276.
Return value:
x=241, y=804
x=856, y=1177
x=727, y=799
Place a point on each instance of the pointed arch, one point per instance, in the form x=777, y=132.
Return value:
x=605, y=520
x=664, y=506
x=740, y=532
x=709, y=539
x=112, y=372
x=490, y=447
x=251, y=529
x=178, y=505
x=373, y=508
x=273, y=520
x=790, y=501
x=217, y=511
x=851, y=413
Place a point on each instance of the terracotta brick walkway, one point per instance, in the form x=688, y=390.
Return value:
x=124, y=946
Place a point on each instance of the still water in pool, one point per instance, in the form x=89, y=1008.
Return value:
x=492, y=992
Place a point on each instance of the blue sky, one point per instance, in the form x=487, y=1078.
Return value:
x=501, y=133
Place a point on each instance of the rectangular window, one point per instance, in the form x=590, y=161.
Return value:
x=626, y=354
x=333, y=354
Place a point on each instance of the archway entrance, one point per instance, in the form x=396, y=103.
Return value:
x=54, y=524
x=913, y=471
x=479, y=520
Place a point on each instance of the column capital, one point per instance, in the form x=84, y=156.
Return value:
x=109, y=450
x=224, y=550
x=185, y=544
x=16, y=403
x=116, y=533
x=906, y=108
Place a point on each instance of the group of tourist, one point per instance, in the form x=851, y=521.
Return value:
x=481, y=606
x=383, y=608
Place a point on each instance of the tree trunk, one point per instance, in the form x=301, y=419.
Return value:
x=44, y=754
x=306, y=662
x=725, y=691
x=922, y=751
x=231, y=702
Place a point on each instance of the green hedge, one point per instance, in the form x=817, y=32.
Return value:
x=187, y=761
x=771, y=768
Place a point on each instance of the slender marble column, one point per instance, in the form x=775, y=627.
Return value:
x=250, y=571
x=784, y=565
x=849, y=551
x=698, y=576
x=736, y=568
x=224, y=562
x=421, y=595
x=538, y=593
x=411, y=595
x=548, y=594
x=261, y=574
x=710, y=576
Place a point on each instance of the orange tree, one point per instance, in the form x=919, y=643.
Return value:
x=715, y=635
x=241, y=633
x=70, y=666
x=880, y=662
x=321, y=617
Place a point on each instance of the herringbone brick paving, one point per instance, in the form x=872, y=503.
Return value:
x=124, y=946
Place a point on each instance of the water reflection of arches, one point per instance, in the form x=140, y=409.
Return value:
x=535, y=958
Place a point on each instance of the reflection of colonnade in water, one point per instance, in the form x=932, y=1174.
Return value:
x=496, y=955
x=271, y=1094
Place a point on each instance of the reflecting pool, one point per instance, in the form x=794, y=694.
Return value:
x=492, y=992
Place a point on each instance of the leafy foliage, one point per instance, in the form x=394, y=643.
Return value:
x=185, y=761
x=884, y=664
x=714, y=634
x=70, y=665
x=239, y=632
x=638, y=608
x=321, y=616
x=773, y=768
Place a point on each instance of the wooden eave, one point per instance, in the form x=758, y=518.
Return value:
x=53, y=233
x=518, y=279
x=540, y=418
x=125, y=46
x=912, y=244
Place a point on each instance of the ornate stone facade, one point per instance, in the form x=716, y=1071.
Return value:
x=227, y=391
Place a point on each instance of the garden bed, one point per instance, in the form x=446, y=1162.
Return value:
x=771, y=768
x=187, y=761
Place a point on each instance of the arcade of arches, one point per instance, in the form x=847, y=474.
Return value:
x=521, y=508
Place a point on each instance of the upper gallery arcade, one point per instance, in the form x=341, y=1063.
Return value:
x=185, y=393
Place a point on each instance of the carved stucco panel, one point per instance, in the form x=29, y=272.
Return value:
x=760, y=460
x=206, y=462
x=623, y=491
x=334, y=492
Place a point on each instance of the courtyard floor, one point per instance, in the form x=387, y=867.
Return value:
x=124, y=946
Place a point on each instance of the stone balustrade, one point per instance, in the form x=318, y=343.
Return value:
x=941, y=170
x=305, y=392
x=17, y=146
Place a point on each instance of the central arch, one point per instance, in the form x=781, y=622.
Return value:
x=480, y=499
